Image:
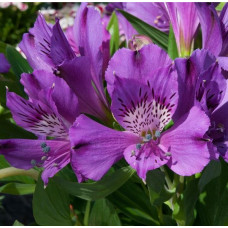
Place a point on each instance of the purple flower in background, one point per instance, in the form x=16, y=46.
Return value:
x=144, y=94
x=4, y=64
x=154, y=14
x=50, y=111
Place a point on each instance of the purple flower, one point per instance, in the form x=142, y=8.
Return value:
x=81, y=65
x=144, y=92
x=4, y=64
x=50, y=111
x=184, y=20
x=202, y=84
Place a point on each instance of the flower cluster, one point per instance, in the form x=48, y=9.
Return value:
x=170, y=112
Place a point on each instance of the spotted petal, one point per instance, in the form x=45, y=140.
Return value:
x=37, y=118
x=148, y=157
x=142, y=108
x=67, y=105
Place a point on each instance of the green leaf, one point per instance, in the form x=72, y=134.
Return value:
x=212, y=207
x=103, y=214
x=17, y=223
x=2, y=47
x=132, y=201
x=18, y=63
x=172, y=45
x=17, y=189
x=51, y=205
x=156, y=185
x=97, y=190
x=158, y=37
x=212, y=171
x=184, y=207
x=113, y=28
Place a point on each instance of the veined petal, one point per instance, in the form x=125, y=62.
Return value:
x=148, y=157
x=138, y=65
x=60, y=50
x=77, y=74
x=42, y=33
x=26, y=153
x=142, y=108
x=66, y=105
x=210, y=88
x=37, y=118
x=189, y=152
x=188, y=71
x=211, y=29
x=70, y=37
x=224, y=27
x=4, y=64
x=184, y=19
x=96, y=148
x=56, y=160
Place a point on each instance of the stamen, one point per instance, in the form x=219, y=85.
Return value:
x=132, y=153
x=43, y=158
x=43, y=145
x=157, y=134
x=148, y=136
x=138, y=146
x=46, y=149
x=33, y=162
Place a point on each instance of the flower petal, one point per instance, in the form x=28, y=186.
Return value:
x=27, y=45
x=25, y=153
x=148, y=157
x=60, y=50
x=189, y=152
x=188, y=71
x=136, y=64
x=66, y=105
x=96, y=148
x=140, y=107
x=211, y=29
x=37, y=118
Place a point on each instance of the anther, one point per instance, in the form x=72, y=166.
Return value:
x=33, y=162
x=132, y=153
x=43, y=145
x=168, y=154
x=43, y=158
x=46, y=149
x=148, y=136
x=157, y=134
x=138, y=146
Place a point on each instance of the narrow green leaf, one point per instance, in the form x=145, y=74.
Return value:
x=103, y=214
x=172, y=45
x=97, y=190
x=18, y=63
x=158, y=37
x=51, y=205
x=212, y=171
x=113, y=28
x=17, y=189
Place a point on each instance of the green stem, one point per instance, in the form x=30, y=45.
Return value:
x=167, y=178
x=87, y=212
x=11, y=171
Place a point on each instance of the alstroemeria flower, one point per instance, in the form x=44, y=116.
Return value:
x=81, y=64
x=202, y=83
x=144, y=98
x=50, y=111
x=4, y=64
